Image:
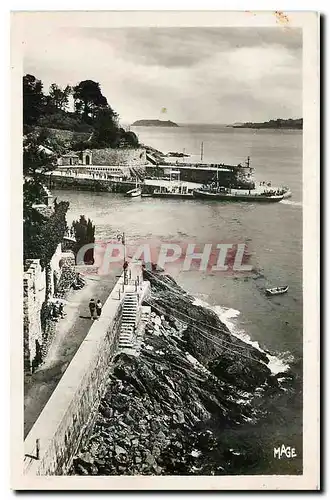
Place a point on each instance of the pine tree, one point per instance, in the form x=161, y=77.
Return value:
x=84, y=234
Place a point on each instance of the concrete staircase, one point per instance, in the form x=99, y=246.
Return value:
x=128, y=322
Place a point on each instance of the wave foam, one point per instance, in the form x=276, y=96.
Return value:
x=290, y=202
x=277, y=364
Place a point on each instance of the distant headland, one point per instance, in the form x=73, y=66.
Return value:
x=272, y=124
x=154, y=123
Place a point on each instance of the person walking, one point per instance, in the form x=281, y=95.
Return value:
x=92, y=307
x=61, y=309
x=98, y=308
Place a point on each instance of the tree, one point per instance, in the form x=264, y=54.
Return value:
x=34, y=100
x=80, y=144
x=131, y=139
x=42, y=234
x=59, y=98
x=106, y=132
x=88, y=98
x=36, y=161
x=85, y=234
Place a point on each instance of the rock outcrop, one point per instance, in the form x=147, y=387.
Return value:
x=186, y=405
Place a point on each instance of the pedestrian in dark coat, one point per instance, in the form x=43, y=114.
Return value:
x=98, y=308
x=92, y=307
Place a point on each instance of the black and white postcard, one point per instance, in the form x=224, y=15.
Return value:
x=165, y=247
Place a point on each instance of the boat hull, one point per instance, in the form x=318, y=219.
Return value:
x=173, y=195
x=207, y=195
x=275, y=291
x=133, y=194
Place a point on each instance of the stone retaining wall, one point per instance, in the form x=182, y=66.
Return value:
x=34, y=296
x=69, y=412
x=34, y=290
x=109, y=156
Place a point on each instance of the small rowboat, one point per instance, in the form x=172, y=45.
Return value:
x=133, y=193
x=277, y=290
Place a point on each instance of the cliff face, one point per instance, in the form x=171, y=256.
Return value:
x=189, y=403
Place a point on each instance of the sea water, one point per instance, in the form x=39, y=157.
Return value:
x=272, y=233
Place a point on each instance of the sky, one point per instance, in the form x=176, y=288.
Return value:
x=200, y=75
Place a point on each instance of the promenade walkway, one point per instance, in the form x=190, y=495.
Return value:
x=70, y=332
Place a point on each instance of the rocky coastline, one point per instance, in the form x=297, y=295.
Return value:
x=189, y=403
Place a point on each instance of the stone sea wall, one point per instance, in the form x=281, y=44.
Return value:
x=68, y=415
x=89, y=184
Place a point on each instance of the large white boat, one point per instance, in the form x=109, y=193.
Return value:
x=224, y=194
x=263, y=193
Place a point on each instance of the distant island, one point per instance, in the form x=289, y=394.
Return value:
x=272, y=124
x=154, y=123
